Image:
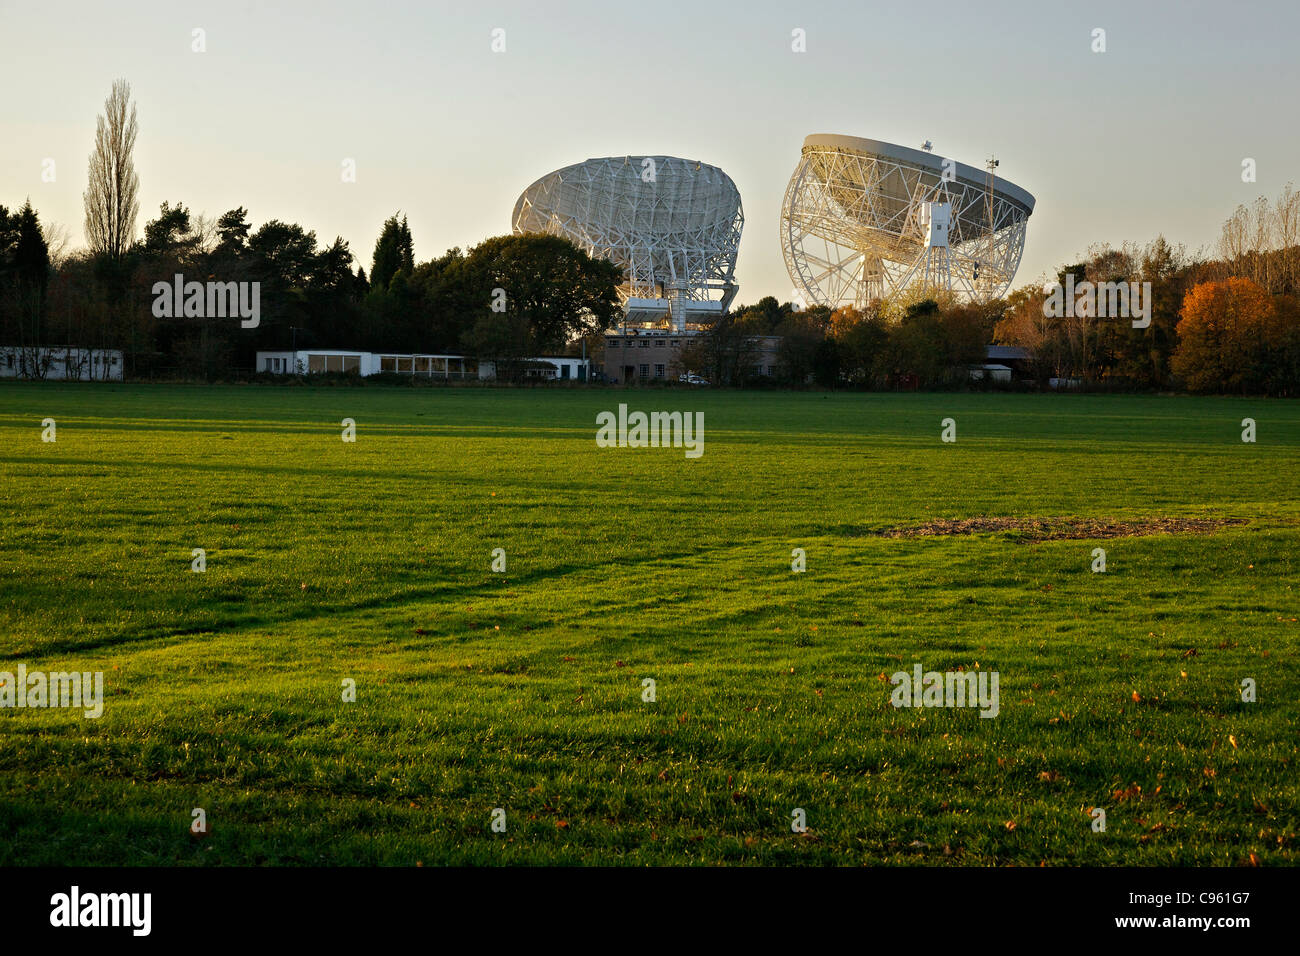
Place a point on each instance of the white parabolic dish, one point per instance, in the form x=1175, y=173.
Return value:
x=856, y=223
x=672, y=224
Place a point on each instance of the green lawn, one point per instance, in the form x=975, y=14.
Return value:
x=475, y=690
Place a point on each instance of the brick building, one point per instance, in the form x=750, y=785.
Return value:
x=641, y=355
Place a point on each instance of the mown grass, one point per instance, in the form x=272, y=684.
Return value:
x=523, y=690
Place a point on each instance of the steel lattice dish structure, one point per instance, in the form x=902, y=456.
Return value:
x=863, y=219
x=672, y=224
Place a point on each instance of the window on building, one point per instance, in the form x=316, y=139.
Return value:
x=315, y=363
x=612, y=343
x=659, y=371
x=677, y=343
x=771, y=371
x=645, y=371
x=388, y=363
x=404, y=363
x=352, y=363
x=645, y=343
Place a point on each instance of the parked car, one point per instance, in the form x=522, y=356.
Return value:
x=690, y=378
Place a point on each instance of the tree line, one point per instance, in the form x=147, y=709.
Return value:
x=1228, y=322
x=506, y=298
x=1222, y=323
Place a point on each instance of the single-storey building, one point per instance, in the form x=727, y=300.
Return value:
x=420, y=365
x=991, y=371
x=57, y=363
x=554, y=368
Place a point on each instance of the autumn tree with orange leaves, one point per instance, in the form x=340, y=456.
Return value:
x=1225, y=332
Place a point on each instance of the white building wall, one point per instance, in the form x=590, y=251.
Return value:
x=371, y=363
x=58, y=364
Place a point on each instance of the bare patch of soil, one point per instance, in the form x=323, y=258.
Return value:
x=1060, y=529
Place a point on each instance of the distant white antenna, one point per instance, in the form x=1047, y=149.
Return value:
x=990, y=164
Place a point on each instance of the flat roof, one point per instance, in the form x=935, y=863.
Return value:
x=1005, y=352
x=918, y=157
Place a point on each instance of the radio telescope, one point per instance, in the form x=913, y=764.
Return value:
x=672, y=224
x=863, y=219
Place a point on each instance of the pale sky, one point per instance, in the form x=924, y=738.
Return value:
x=1147, y=137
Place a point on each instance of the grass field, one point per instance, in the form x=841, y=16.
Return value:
x=523, y=690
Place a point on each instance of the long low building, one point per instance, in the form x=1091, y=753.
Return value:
x=59, y=364
x=417, y=364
